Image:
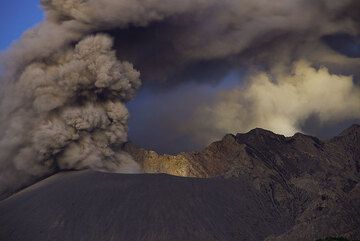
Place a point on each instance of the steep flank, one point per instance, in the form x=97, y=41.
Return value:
x=307, y=178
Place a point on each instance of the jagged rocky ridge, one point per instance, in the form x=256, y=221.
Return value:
x=241, y=153
x=254, y=186
x=314, y=182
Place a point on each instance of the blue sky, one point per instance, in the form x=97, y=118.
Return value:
x=16, y=16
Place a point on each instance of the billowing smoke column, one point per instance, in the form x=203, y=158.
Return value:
x=67, y=112
x=66, y=81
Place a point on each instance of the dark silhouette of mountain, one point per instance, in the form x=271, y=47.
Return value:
x=335, y=239
x=253, y=186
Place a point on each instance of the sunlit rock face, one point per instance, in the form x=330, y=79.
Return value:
x=259, y=149
x=153, y=162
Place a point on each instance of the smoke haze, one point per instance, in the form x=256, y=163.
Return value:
x=281, y=103
x=66, y=81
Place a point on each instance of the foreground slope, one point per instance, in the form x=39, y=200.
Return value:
x=95, y=206
x=253, y=186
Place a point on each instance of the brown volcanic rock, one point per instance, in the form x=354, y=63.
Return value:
x=314, y=182
x=261, y=151
x=215, y=160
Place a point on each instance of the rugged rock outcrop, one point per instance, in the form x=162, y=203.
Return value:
x=315, y=182
x=237, y=153
x=257, y=186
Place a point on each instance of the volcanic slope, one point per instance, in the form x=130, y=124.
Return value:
x=253, y=186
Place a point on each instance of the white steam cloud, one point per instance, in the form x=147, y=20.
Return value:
x=281, y=103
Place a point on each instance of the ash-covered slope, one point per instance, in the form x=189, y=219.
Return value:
x=254, y=186
x=96, y=206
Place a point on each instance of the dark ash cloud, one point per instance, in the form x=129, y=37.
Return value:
x=66, y=82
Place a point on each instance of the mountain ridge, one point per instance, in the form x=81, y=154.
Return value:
x=301, y=174
x=251, y=139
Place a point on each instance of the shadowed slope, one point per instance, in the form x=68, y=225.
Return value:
x=95, y=206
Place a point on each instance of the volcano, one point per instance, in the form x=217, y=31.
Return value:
x=253, y=186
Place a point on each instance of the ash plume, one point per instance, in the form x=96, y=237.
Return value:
x=66, y=81
x=67, y=112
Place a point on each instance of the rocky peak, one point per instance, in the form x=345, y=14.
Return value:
x=257, y=136
x=303, y=177
x=350, y=135
x=352, y=130
x=299, y=153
